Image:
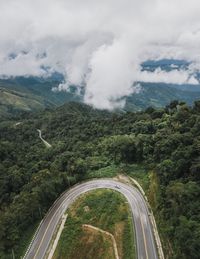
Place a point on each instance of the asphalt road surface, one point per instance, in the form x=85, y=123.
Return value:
x=145, y=244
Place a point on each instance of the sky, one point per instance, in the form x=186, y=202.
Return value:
x=99, y=44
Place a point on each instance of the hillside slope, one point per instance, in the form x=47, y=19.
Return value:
x=158, y=95
x=33, y=94
x=12, y=102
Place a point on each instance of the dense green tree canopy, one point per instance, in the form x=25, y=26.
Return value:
x=84, y=139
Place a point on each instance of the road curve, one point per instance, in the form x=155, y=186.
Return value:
x=145, y=243
x=43, y=140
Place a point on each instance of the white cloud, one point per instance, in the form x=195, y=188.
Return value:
x=99, y=43
x=171, y=77
x=111, y=75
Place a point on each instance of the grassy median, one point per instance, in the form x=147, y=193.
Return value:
x=106, y=210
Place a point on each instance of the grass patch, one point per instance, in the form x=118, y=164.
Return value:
x=105, y=209
x=139, y=173
x=108, y=171
x=154, y=200
x=153, y=191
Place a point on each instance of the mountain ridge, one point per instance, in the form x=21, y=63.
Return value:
x=30, y=94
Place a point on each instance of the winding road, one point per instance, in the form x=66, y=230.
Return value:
x=145, y=243
x=43, y=140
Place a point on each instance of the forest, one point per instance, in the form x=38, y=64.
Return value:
x=166, y=141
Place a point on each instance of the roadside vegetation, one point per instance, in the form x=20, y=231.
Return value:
x=106, y=210
x=159, y=148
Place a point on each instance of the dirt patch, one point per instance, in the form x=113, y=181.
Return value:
x=118, y=234
x=122, y=178
x=86, y=209
x=93, y=245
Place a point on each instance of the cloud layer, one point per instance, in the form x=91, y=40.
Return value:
x=99, y=44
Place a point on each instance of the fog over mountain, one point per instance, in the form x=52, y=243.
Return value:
x=100, y=44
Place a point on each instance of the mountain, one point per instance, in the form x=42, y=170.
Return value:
x=164, y=64
x=21, y=94
x=158, y=95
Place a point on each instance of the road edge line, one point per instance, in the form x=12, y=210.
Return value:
x=152, y=220
x=32, y=239
x=56, y=240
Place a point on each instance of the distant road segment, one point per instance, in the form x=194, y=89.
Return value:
x=43, y=140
